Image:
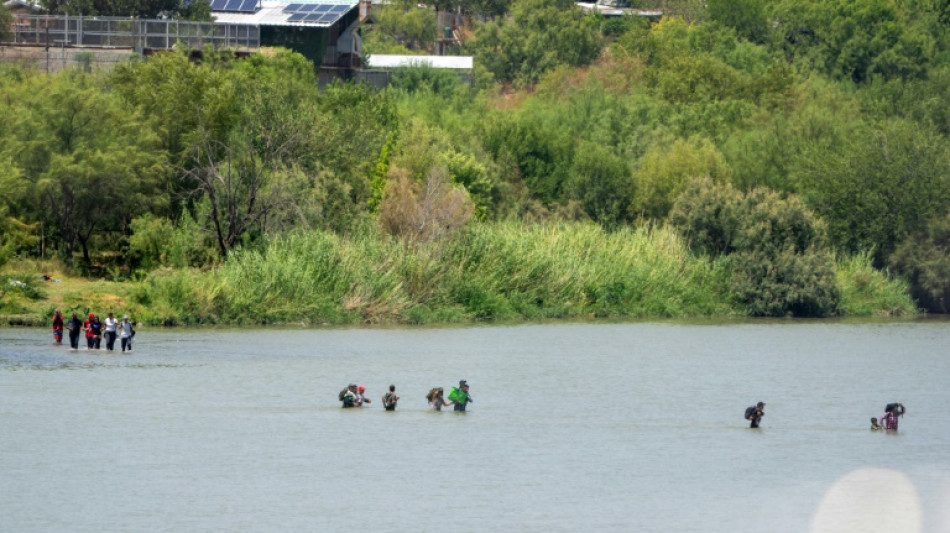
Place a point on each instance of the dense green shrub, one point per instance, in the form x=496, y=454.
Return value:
x=924, y=259
x=774, y=247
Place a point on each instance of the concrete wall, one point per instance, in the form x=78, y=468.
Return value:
x=54, y=59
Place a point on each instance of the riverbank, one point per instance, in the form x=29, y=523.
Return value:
x=494, y=272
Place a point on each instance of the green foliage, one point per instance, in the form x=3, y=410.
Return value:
x=122, y=8
x=491, y=272
x=400, y=29
x=665, y=170
x=6, y=19
x=773, y=248
x=866, y=291
x=855, y=40
x=539, y=36
x=87, y=160
x=424, y=77
x=924, y=259
x=600, y=181
x=747, y=17
x=878, y=186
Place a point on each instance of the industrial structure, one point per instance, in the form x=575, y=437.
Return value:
x=325, y=31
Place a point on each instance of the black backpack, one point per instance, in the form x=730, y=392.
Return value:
x=749, y=412
x=342, y=394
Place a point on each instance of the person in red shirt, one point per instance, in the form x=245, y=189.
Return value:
x=90, y=334
x=58, y=327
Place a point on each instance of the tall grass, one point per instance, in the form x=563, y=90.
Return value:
x=866, y=291
x=487, y=271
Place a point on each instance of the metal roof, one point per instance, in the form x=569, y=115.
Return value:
x=272, y=13
x=395, y=61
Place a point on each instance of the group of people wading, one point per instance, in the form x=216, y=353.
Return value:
x=95, y=330
x=888, y=422
x=355, y=396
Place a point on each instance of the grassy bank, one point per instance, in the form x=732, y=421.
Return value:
x=488, y=272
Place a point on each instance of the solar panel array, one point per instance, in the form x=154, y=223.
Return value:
x=317, y=13
x=241, y=6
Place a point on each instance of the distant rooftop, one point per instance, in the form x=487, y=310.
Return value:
x=609, y=11
x=321, y=14
x=395, y=61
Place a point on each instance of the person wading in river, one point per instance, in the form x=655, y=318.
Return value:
x=891, y=414
x=459, y=396
x=390, y=399
x=754, y=414
x=74, y=326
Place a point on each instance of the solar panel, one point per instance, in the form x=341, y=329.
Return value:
x=218, y=5
x=316, y=13
x=249, y=6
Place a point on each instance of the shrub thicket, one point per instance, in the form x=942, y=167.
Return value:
x=774, y=247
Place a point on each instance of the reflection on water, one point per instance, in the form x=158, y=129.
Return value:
x=616, y=427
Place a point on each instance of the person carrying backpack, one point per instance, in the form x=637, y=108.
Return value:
x=349, y=396
x=891, y=414
x=390, y=399
x=754, y=414
x=459, y=396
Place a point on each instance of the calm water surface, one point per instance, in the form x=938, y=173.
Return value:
x=577, y=427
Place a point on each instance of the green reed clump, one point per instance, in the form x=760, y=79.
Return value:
x=866, y=291
x=576, y=270
x=498, y=271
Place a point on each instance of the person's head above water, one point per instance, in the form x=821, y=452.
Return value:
x=361, y=388
x=760, y=405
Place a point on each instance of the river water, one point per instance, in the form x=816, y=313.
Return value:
x=575, y=427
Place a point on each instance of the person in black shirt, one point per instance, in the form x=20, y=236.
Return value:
x=74, y=325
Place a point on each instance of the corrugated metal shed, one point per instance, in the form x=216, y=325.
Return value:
x=395, y=61
x=274, y=13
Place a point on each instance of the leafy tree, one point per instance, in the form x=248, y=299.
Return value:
x=854, y=40
x=90, y=162
x=537, y=37
x=666, y=168
x=6, y=19
x=412, y=27
x=425, y=78
x=601, y=182
x=878, y=187
x=924, y=259
x=774, y=247
x=191, y=10
x=747, y=17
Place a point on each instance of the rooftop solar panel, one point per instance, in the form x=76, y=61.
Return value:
x=218, y=5
x=306, y=8
x=296, y=17
x=329, y=18
x=248, y=6
x=292, y=8
x=340, y=8
x=312, y=18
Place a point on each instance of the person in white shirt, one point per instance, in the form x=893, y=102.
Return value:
x=110, y=331
x=126, y=333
